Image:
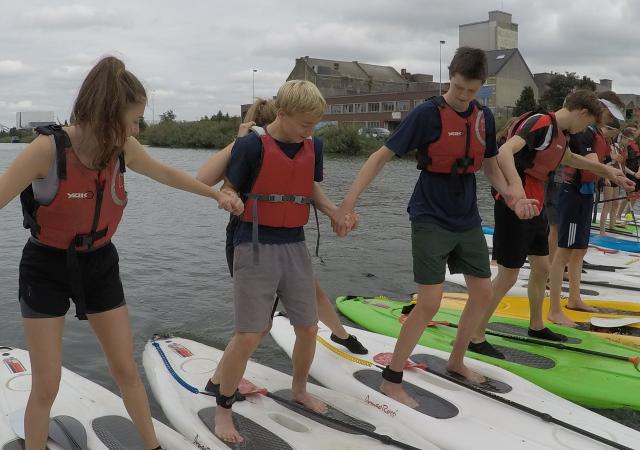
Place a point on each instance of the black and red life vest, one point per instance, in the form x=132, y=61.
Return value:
x=87, y=206
x=282, y=191
x=539, y=163
x=602, y=148
x=461, y=145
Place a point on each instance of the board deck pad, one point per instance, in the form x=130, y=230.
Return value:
x=333, y=413
x=428, y=403
x=256, y=437
x=621, y=312
x=17, y=444
x=439, y=366
x=517, y=330
x=117, y=432
x=68, y=432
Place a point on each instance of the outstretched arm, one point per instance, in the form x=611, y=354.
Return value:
x=32, y=163
x=611, y=173
x=212, y=171
x=140, y=161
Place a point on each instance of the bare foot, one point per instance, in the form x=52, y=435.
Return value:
x=224, y=427
x=309, y=401
x=397, y=392
x=469, y=374
x=560, y=319
x=581, y=306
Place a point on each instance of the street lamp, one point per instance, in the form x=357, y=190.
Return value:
x=253, y=84
x=153, y=107
x=440, y=84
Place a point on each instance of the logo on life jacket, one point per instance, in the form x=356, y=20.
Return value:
x=455, y=133
x=79, y=195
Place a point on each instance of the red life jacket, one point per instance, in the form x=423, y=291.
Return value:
x=461, y=145
x=281, y=193
x=87, y=207
x=539, y=164
x=602, y=149
x=634, y=148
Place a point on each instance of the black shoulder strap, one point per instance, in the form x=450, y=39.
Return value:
x=123, y=163
x=438, y=100
x=62, y=141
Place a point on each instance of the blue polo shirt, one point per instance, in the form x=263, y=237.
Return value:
x=242, y=171
x=436, y=199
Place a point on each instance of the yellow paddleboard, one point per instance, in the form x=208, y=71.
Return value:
x=518, y=308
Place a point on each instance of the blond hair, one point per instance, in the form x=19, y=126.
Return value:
x=262, y=112
x=300, y=97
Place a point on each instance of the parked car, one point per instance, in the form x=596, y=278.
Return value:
x=374, y=132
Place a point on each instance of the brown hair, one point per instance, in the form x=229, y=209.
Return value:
x=469, y=62
x=262, y=112
x=613, y=98
x=105, y=95
x=584, y=99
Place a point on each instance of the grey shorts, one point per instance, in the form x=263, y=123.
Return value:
x=283, y=270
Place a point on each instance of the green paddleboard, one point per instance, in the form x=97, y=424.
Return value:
x=593, y=381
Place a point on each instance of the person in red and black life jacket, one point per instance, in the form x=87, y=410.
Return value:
x=536, y=147
x=276, y=170
x=73, y=196
x=455, y=137
x=631, y=168
x=575, y=207
x=260, y=114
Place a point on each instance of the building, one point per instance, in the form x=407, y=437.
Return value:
x=33, y=119
x=497, y=33
x=632, y=109
x=365, y=95
x=509, y=74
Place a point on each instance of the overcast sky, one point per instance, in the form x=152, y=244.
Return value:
x=196, y=56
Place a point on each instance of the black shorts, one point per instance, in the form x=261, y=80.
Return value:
x=515, y=239
x=574, y=218
x=44, y=287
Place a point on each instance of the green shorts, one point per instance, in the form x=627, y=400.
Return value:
x=432, y=247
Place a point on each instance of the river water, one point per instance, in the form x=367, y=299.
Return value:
x=173, y=266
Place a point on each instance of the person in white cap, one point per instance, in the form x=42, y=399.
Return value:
x=575, y=207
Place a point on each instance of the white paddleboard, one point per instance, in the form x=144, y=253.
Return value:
x=81, y=408
x=264, y=423
x=479, y=422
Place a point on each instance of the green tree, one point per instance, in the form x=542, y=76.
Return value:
x=143, y=124
x=526, y=102
x=168, y=116
x=560, y=85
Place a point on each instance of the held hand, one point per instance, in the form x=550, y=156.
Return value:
x=339, y=222
x=244, y=128
x=352, y=220
x=527, y=208
x=229, y=201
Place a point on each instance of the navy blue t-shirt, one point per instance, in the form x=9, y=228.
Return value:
x=243, y=169
x=435, y=198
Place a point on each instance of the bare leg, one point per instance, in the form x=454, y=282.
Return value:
x=428, y=302
x=44, y=339
x=114, y=333
x=556, y=314
x=302, y=357
x=607, y=193
x=575, y=275
x=327, y=313
x=535, y=289
x=504, y=280
x=480, y=296
x=238, y=352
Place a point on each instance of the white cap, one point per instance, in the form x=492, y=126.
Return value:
x=613, y=109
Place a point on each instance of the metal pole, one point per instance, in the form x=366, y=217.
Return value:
x=253, y=84
x=440, y=84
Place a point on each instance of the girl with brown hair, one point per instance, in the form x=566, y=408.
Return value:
x=71, y=184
